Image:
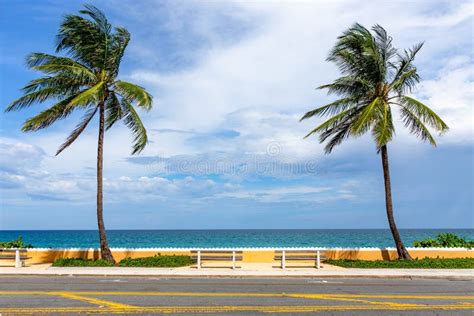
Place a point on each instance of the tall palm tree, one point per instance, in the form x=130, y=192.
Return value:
x=375, y=79
x=86, y=79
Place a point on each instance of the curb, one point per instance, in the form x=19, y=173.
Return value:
x=461, y=277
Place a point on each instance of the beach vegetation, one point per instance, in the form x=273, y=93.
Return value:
x=376, y=79
x=85, y=78
x=17, y=243
x=445, y=240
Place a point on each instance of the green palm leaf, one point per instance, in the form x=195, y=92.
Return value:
x=113, y=110
x=134, y=93
x=424, y=113
x=78, y=130
x=374, y=78
x=416, y=126
x=134, y=123
x=44, y=119
x=331, y=108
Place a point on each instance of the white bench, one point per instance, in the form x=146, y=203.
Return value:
x=285, y=255
x=216, y=255
x=17, y=254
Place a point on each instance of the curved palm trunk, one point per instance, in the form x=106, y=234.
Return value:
x=401, y=250
x=105, y=252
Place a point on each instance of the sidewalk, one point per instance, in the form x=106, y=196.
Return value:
x=247, y=270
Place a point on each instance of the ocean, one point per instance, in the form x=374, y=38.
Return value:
x=225, y=238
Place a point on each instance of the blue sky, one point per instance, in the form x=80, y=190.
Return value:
x=230, y=81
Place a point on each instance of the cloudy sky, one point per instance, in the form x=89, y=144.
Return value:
x=230, y=81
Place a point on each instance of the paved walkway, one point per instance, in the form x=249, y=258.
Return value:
x=247, y=270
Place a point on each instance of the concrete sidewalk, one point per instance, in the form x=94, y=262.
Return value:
x=247, y=270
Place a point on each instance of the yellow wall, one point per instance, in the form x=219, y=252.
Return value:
x=264, y=255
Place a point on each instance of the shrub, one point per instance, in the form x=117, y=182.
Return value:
x=425, y=263
x=157, y=261
x=18, y=243
x=446, y=240
x=80, y=262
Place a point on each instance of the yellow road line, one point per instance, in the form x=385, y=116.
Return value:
x=92, y=300
x=217, y=309
x=330, y=297
x=211, y=294
x=114, y=307
x=398, y=296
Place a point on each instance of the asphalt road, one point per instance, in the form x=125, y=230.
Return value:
x=293, y=296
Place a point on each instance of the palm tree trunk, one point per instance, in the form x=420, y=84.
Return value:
x=401, y=250
x=105, y=252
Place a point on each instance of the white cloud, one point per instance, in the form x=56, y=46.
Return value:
x=261, y=84
x=257, y=83
x=310, y=194
x=451, y=95
x=15, y=155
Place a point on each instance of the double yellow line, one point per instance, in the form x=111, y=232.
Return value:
x=364, y=302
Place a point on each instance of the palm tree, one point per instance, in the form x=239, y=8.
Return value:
x=86, y=79
x=375, y=79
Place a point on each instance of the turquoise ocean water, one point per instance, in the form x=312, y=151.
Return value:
x=226, y=238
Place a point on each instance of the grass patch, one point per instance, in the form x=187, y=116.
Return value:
x=158, y=261
x=425, y=263
x=155, y=261
x=79, y=262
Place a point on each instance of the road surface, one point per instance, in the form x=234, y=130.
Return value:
x=234, y=296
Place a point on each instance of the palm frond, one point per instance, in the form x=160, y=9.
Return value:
x=331, y=108
x=425, y=114
x=119, y=43
x=35, y=97
x=83, y=40
x=134, y=93
x=383, y=128
x=403, y=66
x=134, y=123
x=366, y=118
x=416, y=126
x=67, y=85
x=78, y=130
x=44, y=119
x=88, y=96
x=99, y=18
x=406, y=82
x=338, y=135
x=62, y=66
x=349, y=86
x=113, y=111
x=334, y=121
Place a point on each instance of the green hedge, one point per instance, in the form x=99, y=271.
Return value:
x=18, y=243
x=446, y=240
x=426, y=263
x=157, y=261
x=79, y=262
